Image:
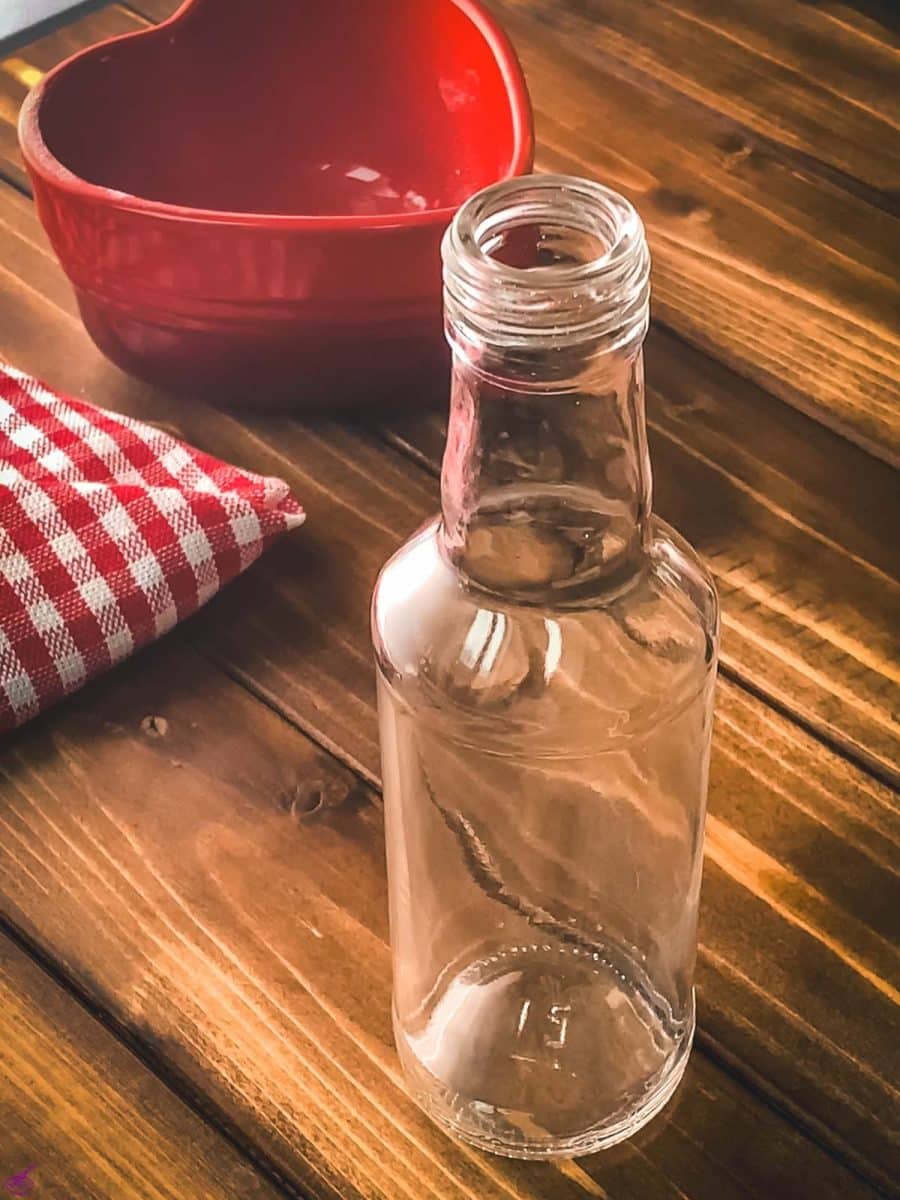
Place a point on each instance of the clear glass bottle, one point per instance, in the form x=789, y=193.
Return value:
x=546, y=655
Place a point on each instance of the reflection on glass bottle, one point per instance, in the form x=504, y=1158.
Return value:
x=546, y=654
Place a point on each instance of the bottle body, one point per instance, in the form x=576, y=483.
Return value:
x=546, y=657
x=544, y=848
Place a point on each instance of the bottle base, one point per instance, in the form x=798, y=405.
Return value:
x=486, y=1127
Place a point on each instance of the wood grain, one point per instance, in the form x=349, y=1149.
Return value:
x=87, y=1116
x=802, y=863
x=217, y=882
x=785, y=73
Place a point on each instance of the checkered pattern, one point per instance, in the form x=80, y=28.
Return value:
x=110, y=533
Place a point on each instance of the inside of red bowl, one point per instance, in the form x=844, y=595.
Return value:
x=291, y=107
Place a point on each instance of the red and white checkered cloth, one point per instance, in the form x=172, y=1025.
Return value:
x=110, y=532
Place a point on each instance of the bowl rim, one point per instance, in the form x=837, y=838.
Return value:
x=41, y=161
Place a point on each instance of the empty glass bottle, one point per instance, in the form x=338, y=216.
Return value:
x=546, y=656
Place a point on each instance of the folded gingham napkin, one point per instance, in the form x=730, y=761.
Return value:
x=110, y=532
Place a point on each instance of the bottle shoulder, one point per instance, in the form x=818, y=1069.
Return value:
x=447, y=648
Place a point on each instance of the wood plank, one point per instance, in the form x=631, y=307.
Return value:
x=801, y=834
x=854, y=60
x=82, y=1117
x=217, y=882
x=786, y=73
x=787, y=274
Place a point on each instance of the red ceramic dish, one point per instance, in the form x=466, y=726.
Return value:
x=249, y=198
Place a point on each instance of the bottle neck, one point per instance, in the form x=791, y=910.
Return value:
x=546, y=477
x=546, y=493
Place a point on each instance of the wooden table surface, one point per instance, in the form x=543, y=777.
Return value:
x=194, y=973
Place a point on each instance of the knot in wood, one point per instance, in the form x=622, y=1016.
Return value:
x=154, y=726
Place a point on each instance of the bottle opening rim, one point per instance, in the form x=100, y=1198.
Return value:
x=596, y=286
x=566, y=201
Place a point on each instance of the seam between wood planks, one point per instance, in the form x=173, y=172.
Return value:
x=15, y=184
x=136, y=12
x=172, y=1078
x=793, y=156
x=791, y=1112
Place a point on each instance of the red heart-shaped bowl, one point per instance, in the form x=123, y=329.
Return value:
x=249, y=198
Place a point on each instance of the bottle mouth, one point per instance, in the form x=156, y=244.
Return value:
x=546, y=258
